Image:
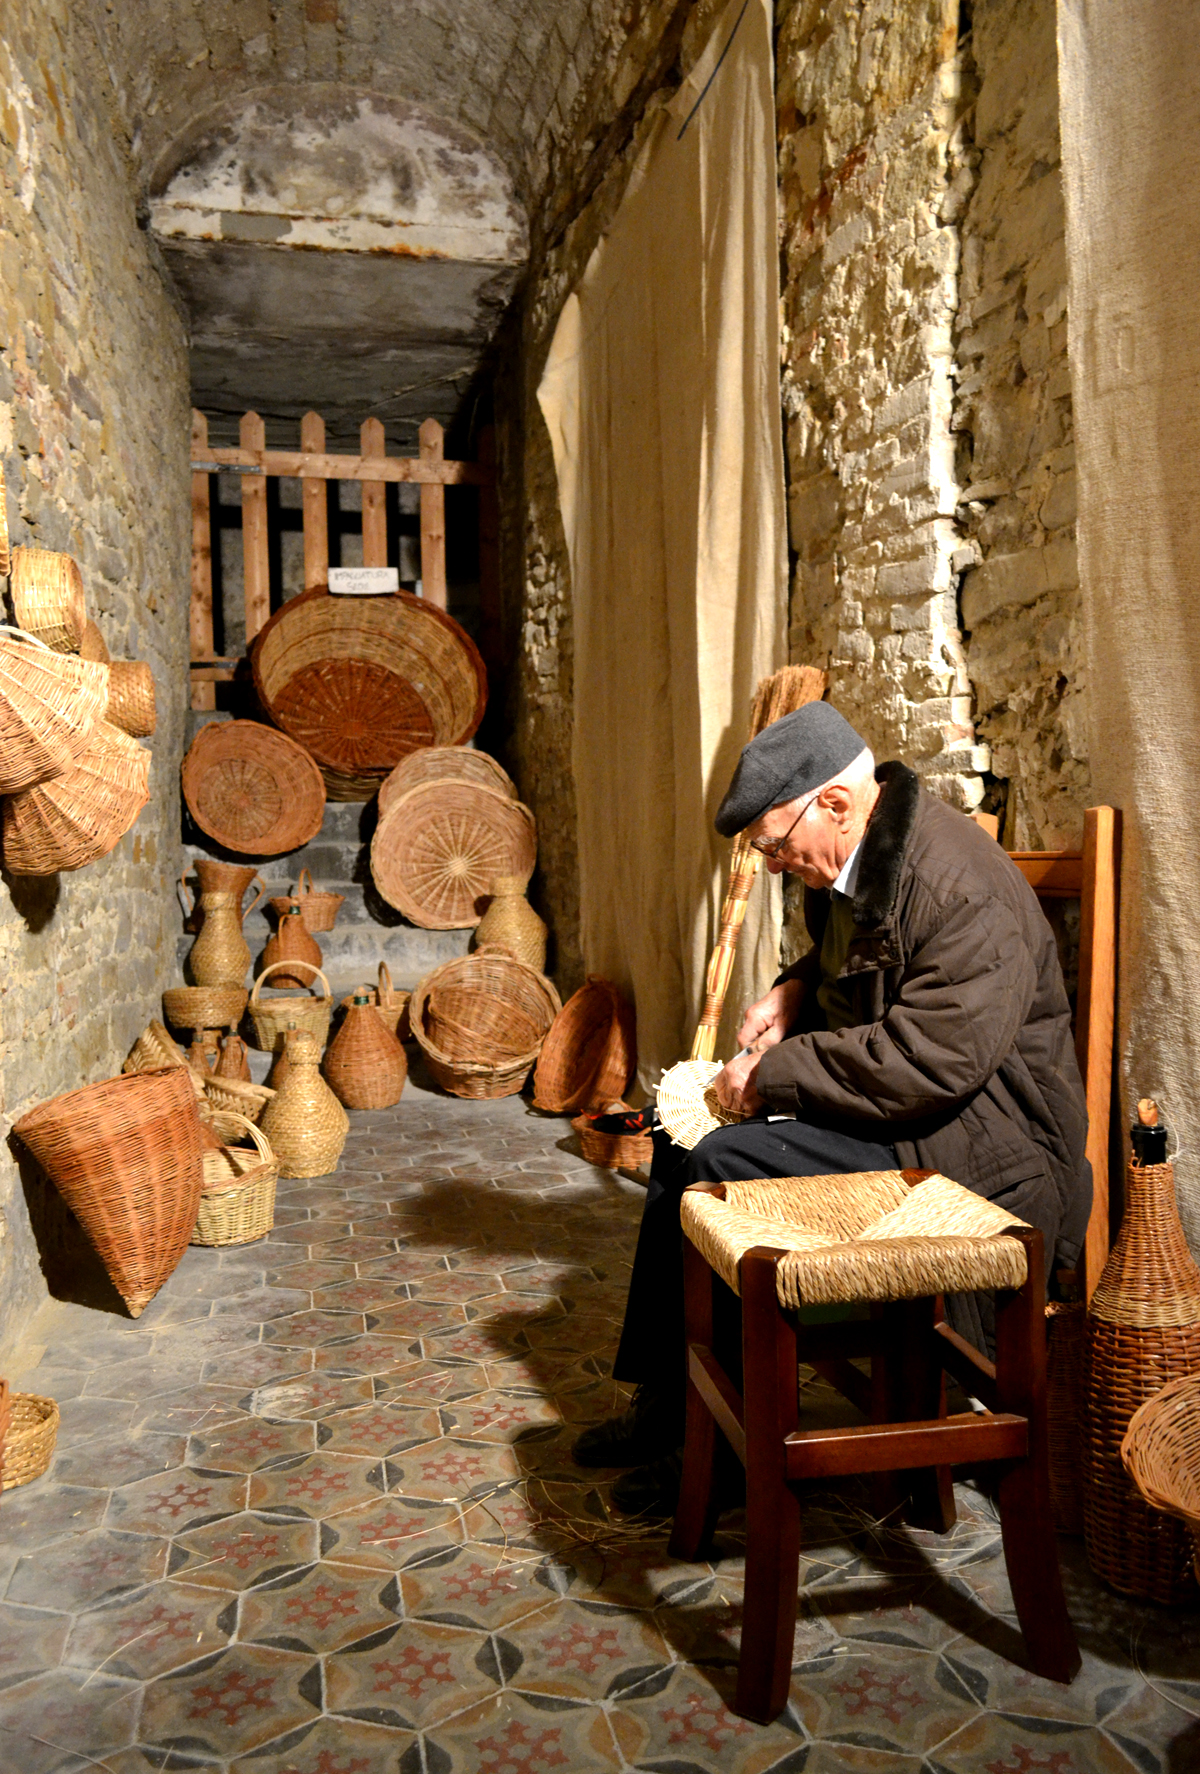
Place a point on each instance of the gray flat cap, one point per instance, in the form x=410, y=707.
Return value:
x=789, y=758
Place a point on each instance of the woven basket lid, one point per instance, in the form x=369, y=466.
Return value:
x=438, y=849
x=445, y=763
x=252, y=789
x=688, y=1106
x=360, y=682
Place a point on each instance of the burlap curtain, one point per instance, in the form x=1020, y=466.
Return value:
x=661, y=394
x=1129, y=73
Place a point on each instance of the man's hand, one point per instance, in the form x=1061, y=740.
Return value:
x=734, y=1085
x=769, y=1020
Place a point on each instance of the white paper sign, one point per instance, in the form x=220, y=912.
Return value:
x=363, y=581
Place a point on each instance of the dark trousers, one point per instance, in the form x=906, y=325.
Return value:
x=651, y=1346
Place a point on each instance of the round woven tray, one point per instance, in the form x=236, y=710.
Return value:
x=131, y=705
x=687, y=1104
x=445, y=763
x=272, y=1016
x=237, y=1202
x=252, y=789
x=360, y=682
x=590, y=1054
x=30, y=1438
x=1161, y=1453
x=480, y=1021
x=204, y=1007
x=47, y=597
x=80, y=816
x=49, y=706
x=438, y=849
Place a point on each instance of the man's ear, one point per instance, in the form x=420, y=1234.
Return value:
x=839, y=799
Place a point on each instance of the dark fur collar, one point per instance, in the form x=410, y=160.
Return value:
x=885, y=843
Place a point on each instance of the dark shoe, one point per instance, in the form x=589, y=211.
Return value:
x=651, y=1426
x=651, y=1491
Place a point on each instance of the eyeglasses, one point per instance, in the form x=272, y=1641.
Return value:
x=772, y=846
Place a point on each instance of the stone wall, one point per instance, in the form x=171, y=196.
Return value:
x=94, y=425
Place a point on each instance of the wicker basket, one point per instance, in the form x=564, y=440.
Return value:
x=49, y=706
x=360, y=682
x=318, y=909
x=439, y=848
x=445, y=763
x=79, y=816
x=236, y=1096
x=1161, y=1453
x=47, y=597
x=125, y=1157
x=237, y=1202
x=30, y=1438
x=204, y=1007
x=252, y=789
x=612, y=1151
x=271, y=1016
x=389, y=1005
x=131, y=704
x=480, y=1021
x=154, y=1050
x=93, y=645
x=365, y=1066
x=1143, y=1330
x=590, y=1054
x=688, y=1104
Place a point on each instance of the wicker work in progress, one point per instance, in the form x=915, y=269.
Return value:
x=131, y=704
x=590, y=1055
x=80, y=816
x=439, y=848
x=47, y=597
x=49, y=706
x=30, y=1438
x=272, y=1016
x=237, y=1096
x=237, y=1202
x=125, y=1156
x=511, y=923
x=360, y=682
x=480, y=1022
x=445, y=763
x=252, y=789
x=318, y=909
x=365, y=1065
x=1161, y=1453
x=304, y=1122
x=1143, y=1331
x=612, y=1151
x=688, y=1104
x=389, y=1005
x=204, y=1007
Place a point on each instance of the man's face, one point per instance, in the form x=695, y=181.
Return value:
x=814, y=847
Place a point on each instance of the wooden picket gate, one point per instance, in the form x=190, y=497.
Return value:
x=314, y=467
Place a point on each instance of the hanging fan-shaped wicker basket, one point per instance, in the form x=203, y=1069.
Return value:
x=79, y=816
x=252, y=789
x=439, y=848
x=360, y=682
x=49, y=705
x=445, y=763
x=47, y=597
x=590, y=1054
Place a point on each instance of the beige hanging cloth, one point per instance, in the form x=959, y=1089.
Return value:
x=661, y=394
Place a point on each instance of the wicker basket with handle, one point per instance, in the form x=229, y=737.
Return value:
x=389, y=1004
x=438, y=849
x=29, y=1443
x=204, y=1007
x=318, y=909
x=237, y=1202
x=445, y=763
x=365, y=1066
x=49, y=706
x=131, y=704
x=1161, y=1453
x=125, y=1156
x=480, y=1021
x=47, y=597
x=80, y=816
x=271, y=1016
x=252, y=789
x=590, y=1054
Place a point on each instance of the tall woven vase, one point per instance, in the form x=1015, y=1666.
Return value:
x=1143, y=1330
x=220, y=955
x=511, y=923
x=291, y=942
x=365, y=1064
x=304, y=1121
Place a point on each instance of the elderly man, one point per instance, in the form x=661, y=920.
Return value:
x=928, y=1026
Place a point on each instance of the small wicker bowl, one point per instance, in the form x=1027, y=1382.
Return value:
x=30, y=1438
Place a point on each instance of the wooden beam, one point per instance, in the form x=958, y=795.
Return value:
x=433, y=519
x=973, y=1371
x=298, y=464
x=200, y=608
x=725, y=1406
x=1053, y=874
x=374, y=506
x=256, y=560
x=316, y=508
x=1094, y=1014
x=895, y=1447
x=491, y=626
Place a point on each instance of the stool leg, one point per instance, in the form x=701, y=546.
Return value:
x=695, y=1513
x=920, y=1393
x=770, y=1360
x=1026, y=1511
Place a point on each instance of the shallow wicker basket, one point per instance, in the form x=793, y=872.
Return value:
x=480, y=1020
x=590, y=1054
x=360, y=682
x=131, y=704
x=438, y=849
x=235, y=1096
x=389, y=1005
x=237, y=1202
x=49, y=706
x=204, y=1007
x=252, y=789
x=272, y=1016
x=688, y=1104
x=612, y=1151
x=445, y=763
x=30, y=1438
x=47, y=597
x=80, y=816
x=318, y=910
x=1161, y=1453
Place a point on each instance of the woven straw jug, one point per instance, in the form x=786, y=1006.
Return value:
x=365, y=1064
x=1143, y=1330
x=206, y=1045
x=291, y=942
x=220, y=955
x=304, y=1121
x=232, y=1062
x=280, y=1063
x=511, y=923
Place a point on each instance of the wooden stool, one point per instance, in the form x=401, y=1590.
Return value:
x=900, y=1240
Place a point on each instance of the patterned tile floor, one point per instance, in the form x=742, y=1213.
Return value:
x=315, y=1512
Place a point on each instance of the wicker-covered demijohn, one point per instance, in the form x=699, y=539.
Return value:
x=252, y=789
x=439, y=848
x=445, y=763
x=590, y=1054
x=365, y=1066
x=47, y=597
x=480, y=1020
x=272, y=1016
x=511, y=923
x=78, y=817
x=360, y=682
x=131, y=704
x=49, y=705
x=1161, y=1453
x=125, y=1156
x=237, y=1202
x=304, y=1121
x=29, y=1439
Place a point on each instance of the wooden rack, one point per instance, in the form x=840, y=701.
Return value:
x=313, y=467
